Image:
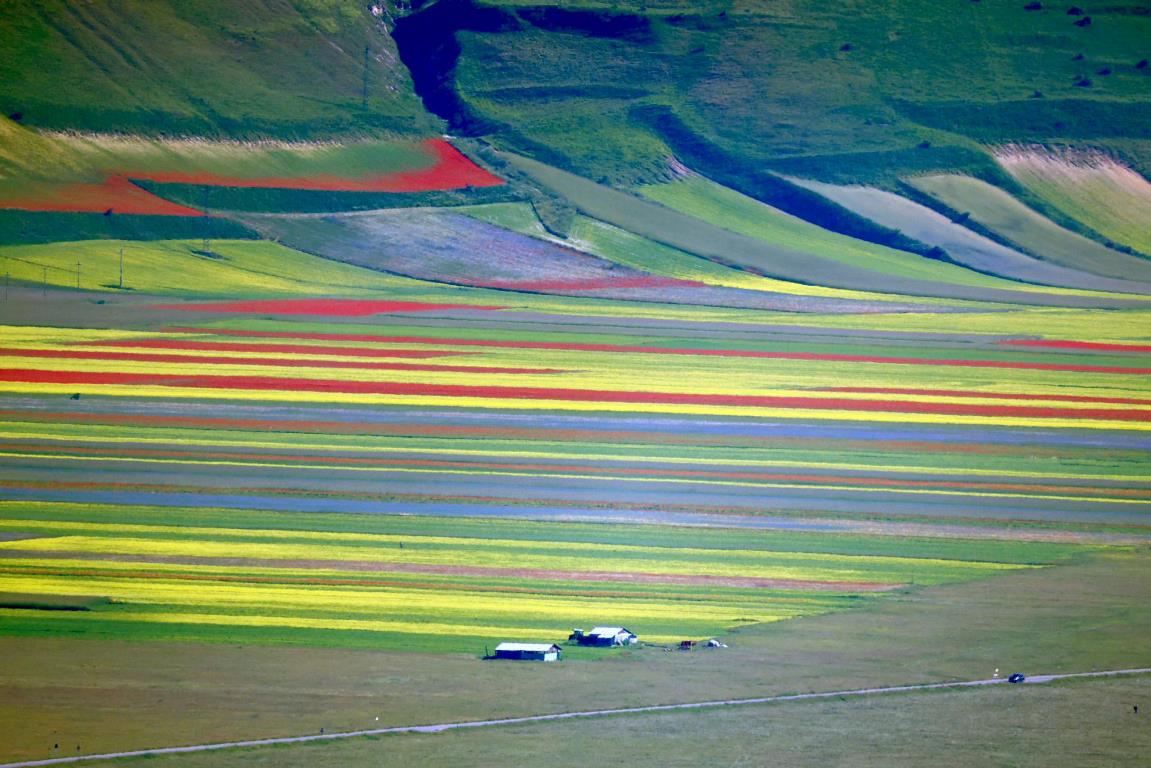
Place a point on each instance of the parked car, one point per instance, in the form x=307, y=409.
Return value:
x=1016, y=678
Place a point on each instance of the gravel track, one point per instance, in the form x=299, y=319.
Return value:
x=441, y=727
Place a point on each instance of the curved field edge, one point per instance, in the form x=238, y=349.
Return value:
x=641, y=253
x=1088, y=186
x=693, y=235
x=970, y=248
x=1001, y=213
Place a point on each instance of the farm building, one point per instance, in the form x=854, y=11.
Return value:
x=528, y=651
x=604, y=636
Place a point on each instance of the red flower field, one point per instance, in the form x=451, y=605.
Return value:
x=277, y=383
x=449, y=169
x=116, y=193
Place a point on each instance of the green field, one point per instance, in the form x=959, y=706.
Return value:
x=261, y=68
x=1106, y=196
x=852, y=90
x=1021, y=226
x=730, y=210
x=229, y=268
x=1092, y=720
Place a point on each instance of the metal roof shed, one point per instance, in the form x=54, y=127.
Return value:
x=528, y=651
x=610, y=636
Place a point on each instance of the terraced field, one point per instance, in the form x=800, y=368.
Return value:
x=964, y=246
x=1005, y=216
x=1109, y=198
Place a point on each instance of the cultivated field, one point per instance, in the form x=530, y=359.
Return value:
x=292, y=435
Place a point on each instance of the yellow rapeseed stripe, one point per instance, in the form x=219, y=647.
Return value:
x=411, y=606
x=774, y=565
x=115, y=390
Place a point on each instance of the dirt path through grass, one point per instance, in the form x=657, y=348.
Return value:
x=441, y=727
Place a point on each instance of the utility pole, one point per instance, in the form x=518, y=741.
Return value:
x=121, y=267
x=44, y=285
x=207, y=249
x=77, y=275
x=364, y=92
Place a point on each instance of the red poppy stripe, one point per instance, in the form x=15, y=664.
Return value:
x=814, y=356
x=275, y=383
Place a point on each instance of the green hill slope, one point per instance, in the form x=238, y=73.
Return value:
x=866, y=91
x=239, y=69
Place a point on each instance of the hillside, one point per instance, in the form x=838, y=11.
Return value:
x=249, y=69
x=847, y=90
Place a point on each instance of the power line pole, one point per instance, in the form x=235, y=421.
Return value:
x=44, y=285
x=121, y=267
x=364, y=92
x=77, y=275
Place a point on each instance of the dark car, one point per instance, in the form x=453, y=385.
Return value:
x=1016, y=678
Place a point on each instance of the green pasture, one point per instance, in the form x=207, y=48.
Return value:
x=1091, y=719
x=200, y=521
x=351, y=158
x=647, y=255
x=183, y=267
x=278, y=200
x=781, y=259
x=198, y=68
x=42, y=227
x=869, y=92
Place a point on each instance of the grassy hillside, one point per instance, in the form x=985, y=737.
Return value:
x=250, y=68
x=864, y=89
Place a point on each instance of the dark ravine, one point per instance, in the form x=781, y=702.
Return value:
x=429, y=48
x=705, y=157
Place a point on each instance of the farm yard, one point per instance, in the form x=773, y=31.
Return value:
x=838, y=360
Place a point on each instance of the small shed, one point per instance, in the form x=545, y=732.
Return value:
x=605, y=636
x=528, y=651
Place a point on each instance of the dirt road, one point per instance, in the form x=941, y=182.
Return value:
x=439, y=727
